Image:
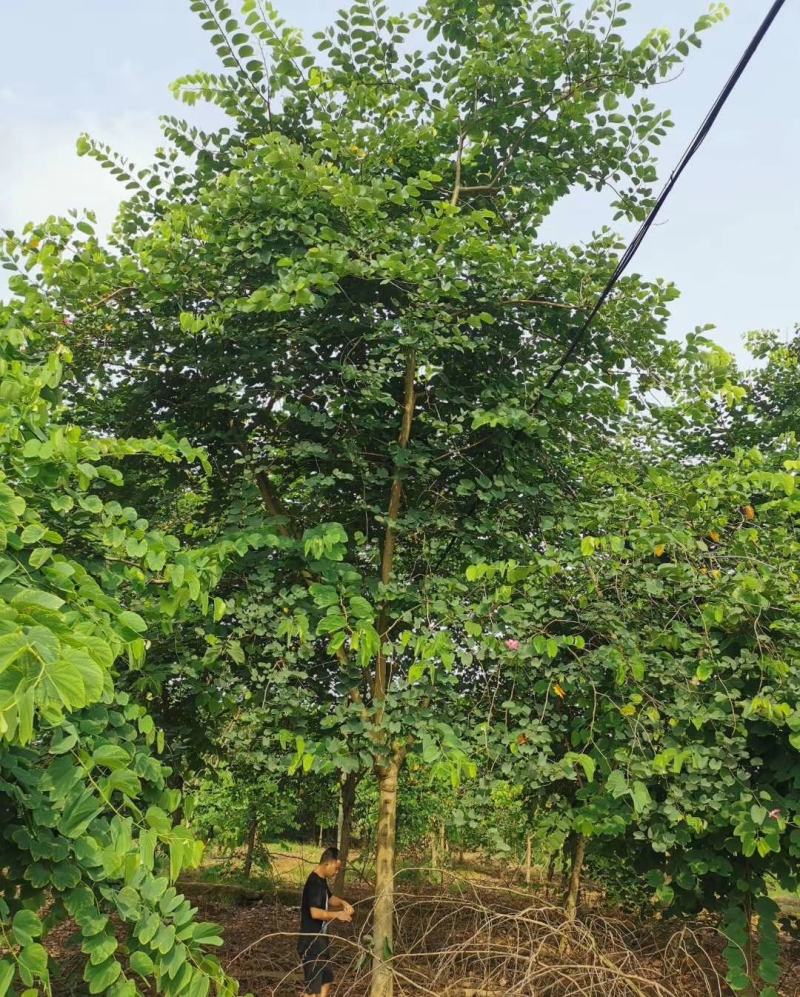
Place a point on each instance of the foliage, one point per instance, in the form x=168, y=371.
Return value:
x=85, y=805
x=449, y=549
x=656, y=671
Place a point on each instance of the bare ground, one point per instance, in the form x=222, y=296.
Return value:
x=463, y=938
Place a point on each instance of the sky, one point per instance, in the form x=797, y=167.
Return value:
x=729, y=236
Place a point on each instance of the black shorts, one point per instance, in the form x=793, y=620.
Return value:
x=317, y=968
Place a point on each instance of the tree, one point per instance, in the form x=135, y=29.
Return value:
x=84, y=799
x=342, y=297
x=654, y=668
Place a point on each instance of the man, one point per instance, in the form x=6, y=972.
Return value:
x=317, y=909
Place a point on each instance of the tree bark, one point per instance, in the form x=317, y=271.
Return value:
x=347, y=799
x=571, y=901
x=251, y=847
x=551, y=871
x=528, y=860
x=383, y=917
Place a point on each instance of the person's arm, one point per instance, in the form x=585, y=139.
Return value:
x=330, y=915
x=338, y=904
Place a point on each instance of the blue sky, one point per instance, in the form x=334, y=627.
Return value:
x=729, y=236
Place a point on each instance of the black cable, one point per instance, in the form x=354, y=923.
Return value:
x=687, y=157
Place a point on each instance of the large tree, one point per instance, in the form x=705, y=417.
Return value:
x=342, y=296
x=87, y=825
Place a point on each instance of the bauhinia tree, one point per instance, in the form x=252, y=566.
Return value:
x=650, y=678
x=342, y=296
x=88, y=829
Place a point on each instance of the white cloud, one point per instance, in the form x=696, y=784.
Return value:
x=41, y=173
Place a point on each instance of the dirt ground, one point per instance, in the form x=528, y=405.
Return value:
x=459, y=941
x=463, y=937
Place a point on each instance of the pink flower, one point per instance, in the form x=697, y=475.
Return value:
x=512, y=645
x=775, y=813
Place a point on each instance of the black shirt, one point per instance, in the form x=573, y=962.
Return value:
x=315, y=894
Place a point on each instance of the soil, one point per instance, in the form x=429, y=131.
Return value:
x=461, y=939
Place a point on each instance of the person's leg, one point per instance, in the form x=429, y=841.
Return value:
x=327, y=980
x=314, y=969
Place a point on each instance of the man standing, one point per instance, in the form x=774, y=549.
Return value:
x=317, y=909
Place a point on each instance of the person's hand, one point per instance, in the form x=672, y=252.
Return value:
x=345, y=915
x=350, y=910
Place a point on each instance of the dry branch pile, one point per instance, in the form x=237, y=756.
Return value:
x=468, y=940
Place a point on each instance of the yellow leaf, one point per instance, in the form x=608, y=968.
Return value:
x=713, y=535
x=558, y=691
x=659, y=550
x=749, y=512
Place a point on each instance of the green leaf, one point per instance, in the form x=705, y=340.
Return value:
x=33, y=958
x=62, y=681
x=324, y=595
x=39, y=556
x=329, y=624
x=616, y=784
x=66, y=742
x=360, y=608
x=7, y=970
x=141, y=963
x=101, y=977
x=111, y=756
x=79, y=812
x=132, y=621
x=25, y=927
x=416, y=671
x=206, y=933
x=124, y=781
x=641, y=797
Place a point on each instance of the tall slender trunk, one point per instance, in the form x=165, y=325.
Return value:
x=567, y=854
x=347, y=799
x=319, y=843
x=551, y=871
x=749, y=947
x=251, y=847
x=528, y=850
x=383, y=917
x=571, y=901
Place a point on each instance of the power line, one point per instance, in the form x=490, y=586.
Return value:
x=684, y=161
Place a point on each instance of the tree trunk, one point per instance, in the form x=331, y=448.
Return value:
x=319, y=844
x=571, y=901
x=551, y=871
x=528, y=860
x=383, y=917
x=347, y=799
x=251, y=847
x=567, y=854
